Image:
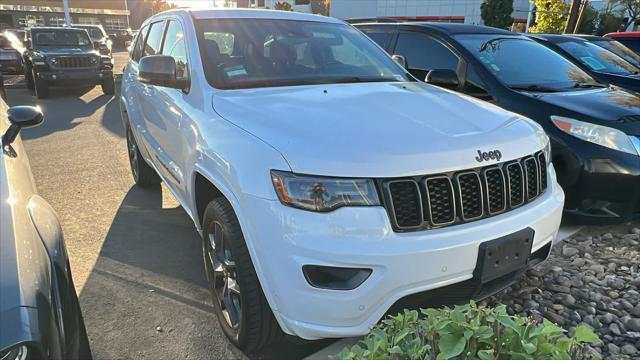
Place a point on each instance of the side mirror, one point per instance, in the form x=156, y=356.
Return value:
x=21, y=117
x=443, y=77
x=160, y=70
x=401, y=60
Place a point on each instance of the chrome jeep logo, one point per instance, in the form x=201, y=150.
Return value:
x=490, y=155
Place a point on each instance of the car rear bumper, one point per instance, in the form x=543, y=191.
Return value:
x=285, y=239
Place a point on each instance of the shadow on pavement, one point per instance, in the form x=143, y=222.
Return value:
x=62, y=109
x=147, y=295
x=111, y=118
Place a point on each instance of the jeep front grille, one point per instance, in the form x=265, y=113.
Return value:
x=425, y=202
x=70, y=62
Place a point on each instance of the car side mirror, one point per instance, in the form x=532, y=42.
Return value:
x=21, y=117
x=160, y=70
x=401, y=60
x=443, y=77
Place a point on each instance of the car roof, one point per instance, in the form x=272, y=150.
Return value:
x=200, y=14
x=556, y=38
x=449, y=28
x=628, y=34
x=591, y=37
x=58, y=28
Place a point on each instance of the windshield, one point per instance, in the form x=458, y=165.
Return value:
x=597, y=58
x=619, y=49
x=248, y=53
x=94, y=33
x=524, y=64
x=60, y=38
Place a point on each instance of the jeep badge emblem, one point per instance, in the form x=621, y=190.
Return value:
x=486, y=156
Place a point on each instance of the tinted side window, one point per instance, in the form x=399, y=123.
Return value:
x=382, y=38
x=174, y=46
x=632, y=44
x=474, y=85
x=424, y=53
x=137, y=50
x=152, y=46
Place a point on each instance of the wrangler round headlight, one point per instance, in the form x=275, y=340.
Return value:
x=95, y=60
x=318, y=193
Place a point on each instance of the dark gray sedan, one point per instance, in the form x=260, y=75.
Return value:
x=40, y=315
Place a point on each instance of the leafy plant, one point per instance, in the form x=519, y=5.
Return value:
x=468, y=332
x=282, y=5
x=497, y=13
x=551, y=16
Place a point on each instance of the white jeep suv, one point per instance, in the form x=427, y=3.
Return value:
x=329, y=186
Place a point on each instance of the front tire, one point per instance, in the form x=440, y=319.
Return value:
x=41, y=87
x=239, y=302
x=108, y=86
x=143, y=174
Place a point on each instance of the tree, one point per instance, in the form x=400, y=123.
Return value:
x=157, y=6
x=282, y=5
x=631, y=8
x=326, y=5
x=588, y=20
x=497, y=13
x=551, y=16
x=609, y=22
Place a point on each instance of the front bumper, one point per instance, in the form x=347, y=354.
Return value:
x=89, y=76
x=602, y=184
x=284, y=239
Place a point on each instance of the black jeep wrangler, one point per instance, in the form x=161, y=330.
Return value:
x=64, y=56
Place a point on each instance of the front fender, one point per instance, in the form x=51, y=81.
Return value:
x=46, y=223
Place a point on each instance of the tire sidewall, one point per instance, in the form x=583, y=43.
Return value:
x=214, y=212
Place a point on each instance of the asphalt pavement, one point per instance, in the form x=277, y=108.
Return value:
x=135, y=255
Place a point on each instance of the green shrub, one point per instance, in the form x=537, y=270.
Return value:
x=468, y=332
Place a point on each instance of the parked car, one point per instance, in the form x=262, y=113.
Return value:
x=594, y=128
x=64, y=56
x=599, y=62
x=615, y=47
x=10, y=58
x=121, y=38
x=629, y=39
x=40, y=316
x=328, y=184
x=100, y=39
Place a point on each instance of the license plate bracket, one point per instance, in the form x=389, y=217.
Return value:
x=504, y=255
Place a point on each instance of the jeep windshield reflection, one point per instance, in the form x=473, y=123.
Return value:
x=249, y=53
x=60, y=38
x=507, y=57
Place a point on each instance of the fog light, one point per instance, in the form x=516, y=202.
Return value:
x=54, y=77
x=335, y=278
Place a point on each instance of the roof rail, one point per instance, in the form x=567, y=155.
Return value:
x=373, y=20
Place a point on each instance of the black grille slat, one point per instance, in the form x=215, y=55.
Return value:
x=407, y=204
x=630, y=119
x=516, y=184
x=495, y=189
x=69, y=62
x=542, y=166
x=424, y=202
x=470, y=188
x=531, y=175
x=440, y=200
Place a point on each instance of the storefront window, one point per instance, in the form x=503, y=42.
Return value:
x=31, y=20
x=116, y=23
x=86, y=20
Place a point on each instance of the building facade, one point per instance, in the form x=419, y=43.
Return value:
x=111, y=14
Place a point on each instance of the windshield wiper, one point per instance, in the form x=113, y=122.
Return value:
x=534, y=88
x=350, y=79
x=588, y=85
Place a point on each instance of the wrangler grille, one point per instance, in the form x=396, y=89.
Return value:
x=424, y=202
x=69, y=62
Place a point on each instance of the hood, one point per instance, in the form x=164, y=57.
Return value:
x=65, y=51
x=605, y=105
x=377, y=129
x=630, y=82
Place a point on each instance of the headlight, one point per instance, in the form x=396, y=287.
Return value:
x=94, y=60
x=16, y=353
x=317, y=193
x=53, y=60
x=597, y=134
